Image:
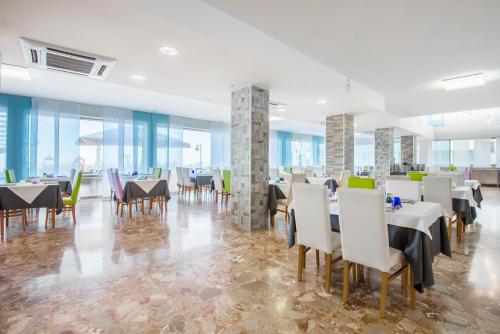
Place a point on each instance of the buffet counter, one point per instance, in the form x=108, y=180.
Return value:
x=486, y=176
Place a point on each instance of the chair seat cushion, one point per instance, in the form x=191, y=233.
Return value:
x=395, y=256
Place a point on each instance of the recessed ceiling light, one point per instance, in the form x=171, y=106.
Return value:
x=275, y=118
x=169, y=51
x=138, y=77
x=321, y=102
x=15, y=72
x=280, y=110
x=465, y=81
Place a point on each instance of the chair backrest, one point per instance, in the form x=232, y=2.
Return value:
x=298, y=178
x=273, y=173
x=456, y=177
x=217, y=179
x=344, y=177
x=361, y=182
x=226, y=175
x=186, y=176
x=157, y=172
x=77, y=180
x=417, y=176
x=309, y=171
x=116, y=184
x=397, y=177
x=404, y=189
x=297, y=169
x=10, y=176
x=312, y=216
x=437, y=189
x=363, y=227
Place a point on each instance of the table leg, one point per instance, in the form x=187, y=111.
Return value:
x=53, y=218
x=272, y=219
x=413, y=292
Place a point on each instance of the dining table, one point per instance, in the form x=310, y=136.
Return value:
x=22, y=196
x=418, y=229
x=145, y=188
x=63, y=181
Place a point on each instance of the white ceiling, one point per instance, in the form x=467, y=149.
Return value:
x=401, y=49
x=213, y=58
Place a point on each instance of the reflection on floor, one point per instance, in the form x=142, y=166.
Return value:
x=191, y=271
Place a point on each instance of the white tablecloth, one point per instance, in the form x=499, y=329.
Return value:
x=284, y=187
x=419, y=216
x=474, y=184
x=146, y=185
x=27, y=192
x=318, y=180
x=464, y=192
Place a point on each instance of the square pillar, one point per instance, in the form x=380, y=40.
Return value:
x=384, y=153
x=339, y=144
x=408, y=150
x=250, y=157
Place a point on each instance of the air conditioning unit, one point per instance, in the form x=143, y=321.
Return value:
x=50, y=57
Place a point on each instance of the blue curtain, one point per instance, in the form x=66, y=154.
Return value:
x=317, y=141
x=284, y=148
x=159, y=140
x=17, y=139
x=150, y=140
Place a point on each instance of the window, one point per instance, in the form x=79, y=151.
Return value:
x=484, y=154
x=45, y=145
x=462, y=152
x=3, y=139
x=91, y=146
x=364, y=151
x=196, y=150
x=397, y=150
x=302, y=150
x=441, y=152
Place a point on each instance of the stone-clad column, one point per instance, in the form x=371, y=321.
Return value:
x=408, y=150
x=250, y=157
x=339, y=144
x=384, y=153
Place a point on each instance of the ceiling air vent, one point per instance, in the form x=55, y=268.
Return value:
x=55, y=58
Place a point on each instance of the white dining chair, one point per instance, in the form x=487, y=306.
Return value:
x=437, y=189
x=365, y=239
x=180, y=184
x=318, y=171
x=298, y=178
x=405, y=189
x=297, y=169
x=218, y=185
x=284, y=203
x=273, y=173
x=314, y=231
x=344, y=177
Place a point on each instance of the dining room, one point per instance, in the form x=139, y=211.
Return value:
x=208, y=166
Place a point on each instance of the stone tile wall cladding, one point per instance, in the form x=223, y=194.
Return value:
x=339, y=144
x=384, y=153
x=408, y=150
x=250, y=157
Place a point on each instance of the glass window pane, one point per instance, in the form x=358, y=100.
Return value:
x=196, y=151
x=441, y=152
x=91, y=150
x=364, y=151
x=45, y=145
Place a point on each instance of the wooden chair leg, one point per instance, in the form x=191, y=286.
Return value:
x=404, y=281
x=23, y=219
x=7, y=217
x=120, y=203
x=459, y=225
x=345, y=294
x=53, y=217
x=317, y=258
x=73, y=212
x=300, y=265
x=2, y=220
x=117, y=206
x=129, y=206
x=383, y=293
x=328, y=272
x=449, y=229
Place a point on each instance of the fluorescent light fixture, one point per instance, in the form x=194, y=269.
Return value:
x=15, y=72
x=138, y=77
x=465, y=81
x=321, y=102
x=169, y=51
x=275, y=118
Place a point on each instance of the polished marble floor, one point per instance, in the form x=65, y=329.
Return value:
x=192, y=272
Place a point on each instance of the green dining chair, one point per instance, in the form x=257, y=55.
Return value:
x=417, y=176
x=361, y=182
x=452, y=168
x=226, y=176
x=10, y=176
x=70, y=202
x=157, y=172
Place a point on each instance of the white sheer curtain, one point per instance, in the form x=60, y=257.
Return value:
x=483, y=152
x=54, y=133
x=175, y=148
x=220, y=146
